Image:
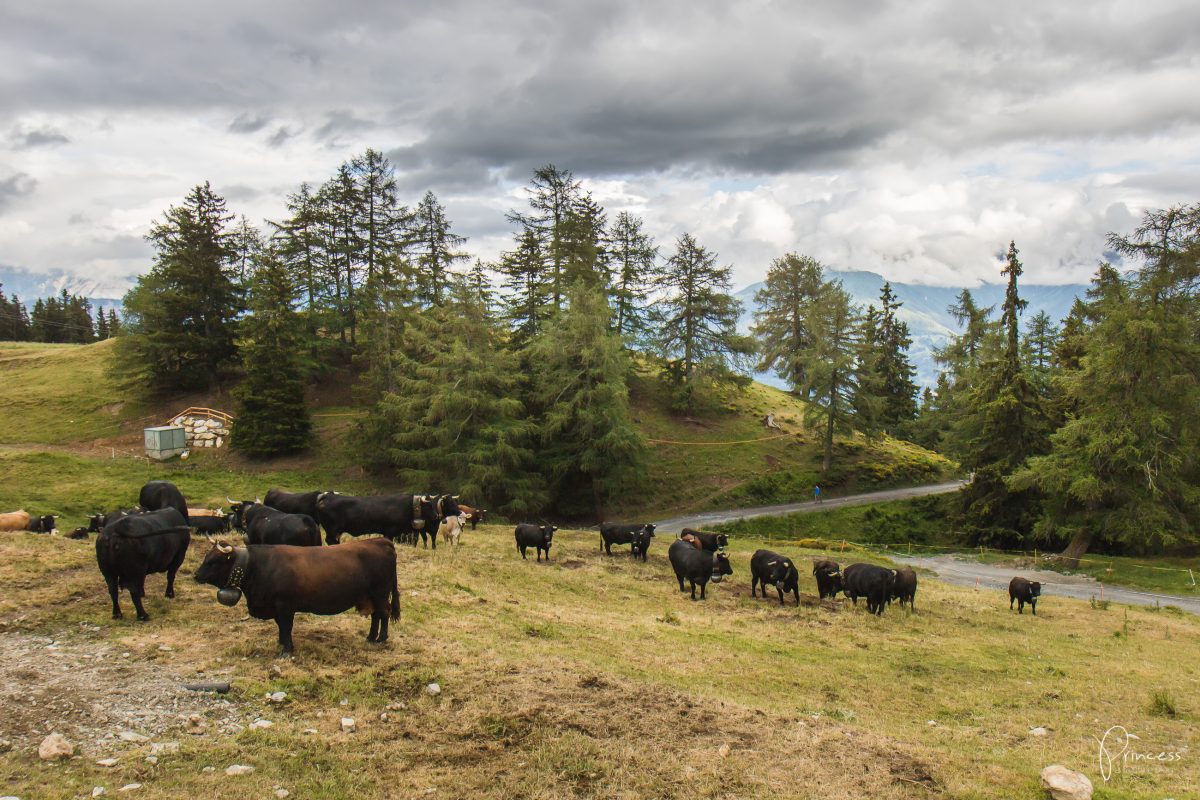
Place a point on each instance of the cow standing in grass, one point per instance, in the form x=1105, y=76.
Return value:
x=869, y=581
x=132, y=547
x=712, y=542
x=539, y=536
x=697, y=567
x=829, y=577
x=905, y=587
x=1023, y=591
x=157, y=495
x=779, y=571
x=617, y=533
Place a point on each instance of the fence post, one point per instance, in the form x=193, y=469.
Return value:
x=1193, y=577
x=1102, y=592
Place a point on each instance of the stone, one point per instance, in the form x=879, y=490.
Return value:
x=260, y=724
x=160, y=748
x=348, y=725
x=107, y=762
x=433, y=690
x=1039, y=731
x=130, y=787
x=55, y=746
x=1066, y=784
x=131, y=736
x=282, y=793
x=239, y=769
x=723, y=751
x=98, y=791
x=195, y=725
x=152, y=760
x=5, y=745
x=276, y=697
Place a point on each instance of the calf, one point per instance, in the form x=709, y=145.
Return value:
x=280, y=580
x=616, y=533
x=473, y=515
x=905, y=587
x=869, y=581
x=1023, y=591
x=132, y=547
x=539, y=536
x=451, y=528
x=712, y=542
x=767, y=567
x=14, y=521
x=698, y=567
x=829, y=577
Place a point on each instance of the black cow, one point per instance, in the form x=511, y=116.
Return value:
x=712, y=542
x=266, y=525
x=1024, y=591
x=293, y=502
x=43, y=524
x=279, y=581
x=157, y=495
x=869, y=581
x=615, y=533
x=96, y=522
x=389, y=515
x=905, y=587
x=697, y=566
x=78, y=533
x=829, y=577
x=213, y=523
x=134, y=546
x=779, y=571
x=640, y=543
x=539, y=536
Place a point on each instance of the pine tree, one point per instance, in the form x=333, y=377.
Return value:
x=272, y=417
x=585, y=246
x=477, y=288
x=829, y=363
x=437, y=248
x=1003, y=423
x=300, y=246
x=1037, y=350
x=526, y=286
x=455, y=420
x=114, y=323
x=869, y=393
x=590, y=450
x=380, y=222
x=554, y=195
x=14, y=319
x=633, y=258
x=697, y=322
x=1125, y=467
x=786, y=302
x=896, y=373
x=101, y=325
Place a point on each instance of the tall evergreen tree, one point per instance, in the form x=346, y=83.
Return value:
x=554, y=195
x=101, y=325
x=1003, y=423
x=786, y=303
x=527, y=287
x=437, y=249
x=634, y=262
x=380, y=222
x=697, y=322
x=870, y=392
x=114, y=323
x=829, y=366
x=300, y=246
x=181, y=314
x=591, y=451
x=272, y=417
x=896, y=373
x=1038, y=348
x=14, y=319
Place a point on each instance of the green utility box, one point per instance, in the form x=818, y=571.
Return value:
x=165, y=441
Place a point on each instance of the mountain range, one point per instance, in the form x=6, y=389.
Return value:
x=924, y=308
x=29, y=286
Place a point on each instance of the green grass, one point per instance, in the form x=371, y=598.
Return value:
x=593, y=676
x=1149, y=573
x=920, y=520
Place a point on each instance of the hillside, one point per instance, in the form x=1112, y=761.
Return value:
x=60, y=415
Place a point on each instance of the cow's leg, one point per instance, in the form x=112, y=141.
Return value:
x=704, y=590
x=136, y=592
x=374, y=626
x=1020, y=606
x=754, y=587
x=522, y=550
x=112, y=592
x=433, y=538
x=693, y=583
x=171, y=570
x=780, y=595
x=384, y=606
x=331, y=537
x=1010, y=602
x=284, y=620
x=1033, y=605
x=679, y=578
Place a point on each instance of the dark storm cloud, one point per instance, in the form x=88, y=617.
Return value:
x=28, y=138
x=248, y=122
x=15, y=186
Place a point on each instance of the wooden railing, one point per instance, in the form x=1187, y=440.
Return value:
x=211, y=413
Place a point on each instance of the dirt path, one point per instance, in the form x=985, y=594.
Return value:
x=965, y=572
x=676, y=524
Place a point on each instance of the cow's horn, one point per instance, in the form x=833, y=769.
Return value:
x=224, y=547
x=455, y=496
x=230, y=500
x=258, y=500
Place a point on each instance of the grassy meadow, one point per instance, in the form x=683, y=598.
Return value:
x=593, y=676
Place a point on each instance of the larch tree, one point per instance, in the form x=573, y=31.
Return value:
x=829, y=364
x=794, y=284
x=527, y=287
x=437, y=249
x=633, y=259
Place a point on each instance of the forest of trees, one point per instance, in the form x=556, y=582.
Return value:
x=65, y=319
x=509, y=380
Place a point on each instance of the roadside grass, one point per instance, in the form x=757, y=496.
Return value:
x=593, y=676
x=1165, y=574
x=919, y=520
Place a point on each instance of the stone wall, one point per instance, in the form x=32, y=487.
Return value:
x=202, y=430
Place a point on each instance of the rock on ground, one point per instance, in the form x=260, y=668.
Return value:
x=55, y=746
x=1066, y=784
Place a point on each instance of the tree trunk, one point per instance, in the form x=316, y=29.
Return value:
x=1079, y=545
x=828, y=440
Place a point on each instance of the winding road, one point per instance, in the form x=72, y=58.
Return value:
x=949, y=568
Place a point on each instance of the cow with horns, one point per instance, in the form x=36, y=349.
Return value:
x=401, y=517
x=133, y=546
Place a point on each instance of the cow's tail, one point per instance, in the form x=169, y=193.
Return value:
x=395, y=598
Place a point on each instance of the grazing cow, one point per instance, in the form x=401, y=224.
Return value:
x=1024, y=591
x=829, y=577
x=43, y=524
x=157, y=495
x=134, y=546
x=391, y=516
x=266, y=525
x=293, y=502
x=712, y=542
x=697, y=566
x=767, y=567
x=14, y=521
x=905, y=587
x=614, y=533
x=473, y=515
x=279, y=581
x=539, y=536
x=869, y=581
x=451, y=528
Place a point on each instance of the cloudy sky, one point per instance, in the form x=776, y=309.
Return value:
x=910, y=138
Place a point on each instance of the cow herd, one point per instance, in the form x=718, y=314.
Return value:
x=304, y=576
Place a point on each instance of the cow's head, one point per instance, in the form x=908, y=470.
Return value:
x=721, y=567
x=447, y=506
x=648, y=529
x=95, y=523
x=548, y=534
x=1035, y=589
x=224, y=567
x=722, y=541
x=238, y=509
x=788, y=577
x=640, y=540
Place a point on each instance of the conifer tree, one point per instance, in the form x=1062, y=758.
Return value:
x=554, y=195
x=633, y=259
x=300, y=246
x=455, y=421
x=272, y=417
x=898, y=390
x=697, y=322
x=590, y=450
x=869, y=393
x=786, y=302
x=181, y=314
x=527, y=287
x=1038, y=348
x=101, y=325
x=829, y=366
x=114, y=323
x=437, y=249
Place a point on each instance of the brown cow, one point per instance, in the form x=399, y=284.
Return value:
x=473, y=515
x=14, y=521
